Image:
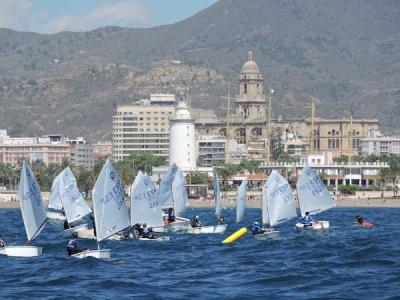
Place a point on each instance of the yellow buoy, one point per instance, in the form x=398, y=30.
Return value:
x=237, y=235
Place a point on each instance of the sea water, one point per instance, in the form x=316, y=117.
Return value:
x=344, y=261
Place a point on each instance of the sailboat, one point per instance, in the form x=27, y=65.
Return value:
x=110, y=212
x=145, y=205
x=173, y=194
x=75, y=207
x=313, y=196
x=220, y=228
x=55, y=208
x=241, y=201
x=278, y=205
x=33, y=213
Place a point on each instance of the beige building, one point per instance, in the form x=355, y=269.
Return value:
x=248, y=123
x=142, y=126
x=102, y=149
x=50, y=150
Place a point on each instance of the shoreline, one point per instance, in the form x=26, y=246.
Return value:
x=256, y=203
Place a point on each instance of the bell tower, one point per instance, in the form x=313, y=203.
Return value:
x=250, y=102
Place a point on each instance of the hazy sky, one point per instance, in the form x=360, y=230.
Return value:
x=50, y=16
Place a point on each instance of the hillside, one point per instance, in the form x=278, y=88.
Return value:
x=346, y=53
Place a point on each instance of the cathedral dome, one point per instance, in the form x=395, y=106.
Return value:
x=250, y=67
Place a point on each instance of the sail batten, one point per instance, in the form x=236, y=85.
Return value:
x=32, y=208
x=314, y=197
x=145, y=206
x=241, y=201
x=280, y=203
x=110, y=212
x=217, y=194
x=179, y=193
x=75, y=206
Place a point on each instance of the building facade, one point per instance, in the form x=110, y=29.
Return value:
x=211, y=151
x=102, y=149
x=143, y=126
x=51, y=149
x=81, y=153
x=380, y=145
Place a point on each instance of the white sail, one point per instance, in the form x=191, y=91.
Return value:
x=265, y=214
x=145, y=207
x=166, y=186
x=217, y=194
x=314, y=197
x=55, y=199
x=179, y=193
x=110, y=212
x=280, y=202
x=30, y=199
x=241, y=201
x=75, y=206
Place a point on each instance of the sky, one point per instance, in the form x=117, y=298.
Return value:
x=51, y=16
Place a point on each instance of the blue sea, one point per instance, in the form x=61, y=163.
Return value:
x=343, y=262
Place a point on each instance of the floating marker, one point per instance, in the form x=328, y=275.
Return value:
x=237, y=235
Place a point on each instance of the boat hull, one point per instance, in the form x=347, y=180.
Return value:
x=208, y=229
x=266, y=234
x=100, y=254
x=157, y=239
x=316, y=225
x=181, y=224
x=78, y=228
x=23, y=251
x=55, y=215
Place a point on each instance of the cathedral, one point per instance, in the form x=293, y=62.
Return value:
x=246, y=126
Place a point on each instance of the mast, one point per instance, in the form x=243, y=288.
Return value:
x=269, y=127
x=228, y=116
x=312, y=125
x=350, y=137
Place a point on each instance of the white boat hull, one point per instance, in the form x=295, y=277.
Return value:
x=100, y=254
x=208, y=229
x=3, y=251
x=266, y=234
x=316, y=225
x=55, y=215
x=78, y=228
x=157, y=239
x=181, y=224
x=23, y=251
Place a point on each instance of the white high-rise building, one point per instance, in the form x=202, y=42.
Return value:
x=182, y=138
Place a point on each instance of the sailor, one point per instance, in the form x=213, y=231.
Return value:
x=171, y=215
x=256, y=228
x=134, y=231
x=359, y=219
x=165, y=220
x=195, y=222
x=2, y=243
x=72, y=247
x=307, y=220
x=221, y=220
x=94, y=225
x=146, y=233
x=66, y=225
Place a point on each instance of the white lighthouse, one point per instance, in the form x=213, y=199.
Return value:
x=182, y=146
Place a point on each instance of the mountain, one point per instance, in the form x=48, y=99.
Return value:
x=344, y=52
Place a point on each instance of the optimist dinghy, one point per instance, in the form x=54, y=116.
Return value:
x=33, y=213
x=75, y=207
x=220, y=228
x=110, y=212
x=54, y=208
x=173, y=194
x=145, y=205
x=278, y=205
x=313, y=196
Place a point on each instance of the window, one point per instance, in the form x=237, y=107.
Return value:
x=245, y=88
